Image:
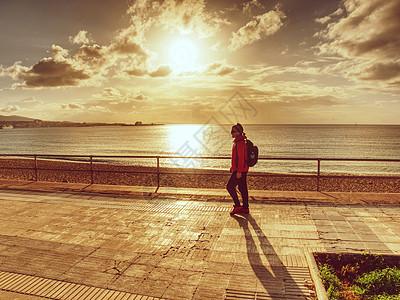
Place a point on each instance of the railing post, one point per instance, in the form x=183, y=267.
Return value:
x=36, y=169
x=318, y=173
x=91, y=170
x=158, y=172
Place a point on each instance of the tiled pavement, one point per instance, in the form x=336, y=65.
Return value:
x=179, y=248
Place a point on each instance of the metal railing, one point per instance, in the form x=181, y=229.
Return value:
x=318, y=174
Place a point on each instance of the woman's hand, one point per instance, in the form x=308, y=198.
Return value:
x=238, y=175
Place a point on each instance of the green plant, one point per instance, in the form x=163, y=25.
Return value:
x=378, y=282
x=330, y=281
x=385, y=297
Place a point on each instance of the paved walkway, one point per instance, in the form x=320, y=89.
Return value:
x=176, y=245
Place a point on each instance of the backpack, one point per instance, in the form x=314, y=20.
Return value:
x=252, y=154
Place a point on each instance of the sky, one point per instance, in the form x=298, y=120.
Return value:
x=185, y=61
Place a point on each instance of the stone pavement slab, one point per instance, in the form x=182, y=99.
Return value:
x=179, y=248
x=16, y=296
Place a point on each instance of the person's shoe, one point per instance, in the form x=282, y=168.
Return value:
x=235, y=210
x=244, y=210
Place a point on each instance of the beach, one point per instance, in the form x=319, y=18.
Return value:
x=117, y=174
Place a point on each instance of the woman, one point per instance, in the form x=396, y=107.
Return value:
x=239, y=169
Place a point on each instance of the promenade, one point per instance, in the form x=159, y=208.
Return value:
x=80, y=241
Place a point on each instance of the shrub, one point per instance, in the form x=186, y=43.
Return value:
x=330, y=280
x=378, y=282
x=385, y=297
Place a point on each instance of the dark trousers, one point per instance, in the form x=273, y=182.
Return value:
x=242, y=182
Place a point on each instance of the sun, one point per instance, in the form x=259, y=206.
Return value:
x=183, y=54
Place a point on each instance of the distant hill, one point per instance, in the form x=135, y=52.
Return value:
x=15, y=118
x=25, y=122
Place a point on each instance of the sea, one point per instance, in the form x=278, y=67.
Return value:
x=273, y=141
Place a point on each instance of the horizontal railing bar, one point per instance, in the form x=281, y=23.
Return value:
x=71, y=170
x=222, y=174
x=203, y=157
x=363, y=176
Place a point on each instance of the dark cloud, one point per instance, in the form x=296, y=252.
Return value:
x=136, y=72
x=51, y=73
x=369, y=27
x=92, y=54
x=161, y=71
x=381, y=71
x=368, y=34
x=141, y=97
x=127, y=46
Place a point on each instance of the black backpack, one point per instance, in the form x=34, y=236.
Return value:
x=252, y=153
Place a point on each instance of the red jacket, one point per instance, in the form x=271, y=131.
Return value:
x=240, y=144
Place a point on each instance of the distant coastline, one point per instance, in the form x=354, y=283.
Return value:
x=42, y=124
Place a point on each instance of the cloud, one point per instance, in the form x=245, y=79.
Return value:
x=72, y=106
x=13, y=71
x=328, y=18
x=109, y=93
x=60, y=70
x=248, y=7
x=98, y=108
x=187, y=17
x=200, y=110
x=219, y=68
x=368, y=35
x=49, y=72
x=387, y=71
x=371, y=28
x=10, y=108
x=84, y=109
x=115, y=95
x=30, y=101
x=87, y=66
x=81, y=38
x=59, y=53
x=161, y=71
x=326, y=100
x=92, y=56
x=119, y=100
x=126, y=53
x=24, y=104
x=260, y=27
x=129, y=41
x=136, y=72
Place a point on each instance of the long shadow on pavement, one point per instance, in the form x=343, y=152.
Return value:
x=278, y=273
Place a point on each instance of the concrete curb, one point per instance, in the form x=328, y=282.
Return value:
x=316, y=277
